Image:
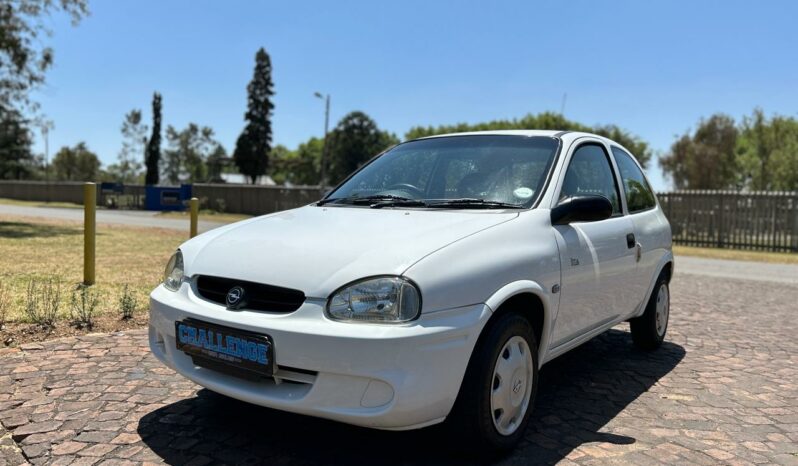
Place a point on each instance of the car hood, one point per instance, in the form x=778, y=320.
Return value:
x=319, y=249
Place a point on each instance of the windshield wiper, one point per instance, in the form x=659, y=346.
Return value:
x=365, y=200
x=470, y=203
x=399, y=203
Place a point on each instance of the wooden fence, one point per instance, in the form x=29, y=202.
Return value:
x=765, y=221
x=231, y=198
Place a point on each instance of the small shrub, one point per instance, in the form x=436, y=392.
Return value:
x=84, y=306
x=127, y=303
x=5, y=304
x=43, y=299
x=221, y=205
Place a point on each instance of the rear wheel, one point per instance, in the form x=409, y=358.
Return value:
x=648, y=330
x=495, y=401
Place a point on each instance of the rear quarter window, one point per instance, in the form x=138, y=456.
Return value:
x=639, y=195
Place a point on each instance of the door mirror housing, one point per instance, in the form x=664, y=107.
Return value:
x=581, y=209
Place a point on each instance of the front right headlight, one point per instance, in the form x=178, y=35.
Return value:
x=173, y=275
x=376, y=300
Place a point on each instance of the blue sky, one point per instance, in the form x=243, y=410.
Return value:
x=652, y=67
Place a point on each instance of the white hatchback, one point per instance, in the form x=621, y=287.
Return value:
x=430, y=285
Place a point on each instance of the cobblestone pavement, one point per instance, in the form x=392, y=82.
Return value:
x=722, y=390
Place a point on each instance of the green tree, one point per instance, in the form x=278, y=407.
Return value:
x=15, y=144
x=76, y=163
x=153, y=156
x=300, y=166
x=217, y=160
x=254, y=145
x=545, y=120
x=185, y=159
x=767, y=152
x=134, y=141
x=24, y=58
x=354, y=141
x=705, y=159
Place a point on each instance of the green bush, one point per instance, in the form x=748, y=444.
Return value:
x=127, y=303
x=84, y=306
x=43, y=299
x=5, y=304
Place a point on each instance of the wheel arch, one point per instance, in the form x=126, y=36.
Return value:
x=666, y=265
x=531, y=301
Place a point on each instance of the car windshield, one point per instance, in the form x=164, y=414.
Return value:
x=456, y=171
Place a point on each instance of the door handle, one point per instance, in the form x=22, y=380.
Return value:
x=630, y=240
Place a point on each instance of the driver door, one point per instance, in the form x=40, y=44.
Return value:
x=596, y=260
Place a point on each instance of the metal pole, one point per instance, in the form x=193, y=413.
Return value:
x=323, y=162
x=46, y=132
x=89, y=231
x=193, y=205
x=46, y=127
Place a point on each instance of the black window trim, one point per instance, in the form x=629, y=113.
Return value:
x=645, y=178
x=610, y=161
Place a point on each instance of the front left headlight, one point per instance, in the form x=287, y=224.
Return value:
x=173, y=275
x=377, y=300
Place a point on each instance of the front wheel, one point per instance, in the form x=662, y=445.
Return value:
x=495, y=401
x=648, y=330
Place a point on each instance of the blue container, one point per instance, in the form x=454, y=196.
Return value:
x=167, y=198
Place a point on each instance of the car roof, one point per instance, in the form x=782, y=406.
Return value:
x=562, y=134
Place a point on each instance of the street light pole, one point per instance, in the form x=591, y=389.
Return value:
x=46, y=127
x=323, y=168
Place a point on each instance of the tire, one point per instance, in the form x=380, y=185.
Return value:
x=493, y=407
x=648, y=330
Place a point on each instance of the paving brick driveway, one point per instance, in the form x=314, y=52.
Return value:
x=722, y=390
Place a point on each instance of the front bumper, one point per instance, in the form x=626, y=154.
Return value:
x=382, y=376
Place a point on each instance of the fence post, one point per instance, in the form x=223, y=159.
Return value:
x=720, y=219
x=89, y=231
x=193, y=205
x=794, y=232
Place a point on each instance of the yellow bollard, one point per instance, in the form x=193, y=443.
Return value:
x=89, y=231
x=193, y=206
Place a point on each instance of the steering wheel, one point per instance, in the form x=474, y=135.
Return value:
x=409, y=188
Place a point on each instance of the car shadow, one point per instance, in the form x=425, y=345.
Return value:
x=578, y=394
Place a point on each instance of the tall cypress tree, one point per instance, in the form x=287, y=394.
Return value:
x=254, y=145
x=153, y=153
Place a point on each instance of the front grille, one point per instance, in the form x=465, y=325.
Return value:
x=260, y=297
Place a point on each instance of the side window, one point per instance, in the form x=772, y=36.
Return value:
x=638, y=193
x=589, y=173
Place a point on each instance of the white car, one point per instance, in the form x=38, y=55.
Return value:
x=430, y=285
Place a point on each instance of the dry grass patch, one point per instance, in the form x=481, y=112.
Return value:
x=734, y=254
x=33, y=248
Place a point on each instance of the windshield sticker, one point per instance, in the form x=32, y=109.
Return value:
x=523, y=193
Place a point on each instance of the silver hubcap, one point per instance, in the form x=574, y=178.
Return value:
x=512, y=385
x=663, y=309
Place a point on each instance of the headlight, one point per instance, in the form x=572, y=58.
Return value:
x=173, y=275
x=379, y=300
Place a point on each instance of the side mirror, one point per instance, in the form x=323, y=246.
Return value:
x=581, y=209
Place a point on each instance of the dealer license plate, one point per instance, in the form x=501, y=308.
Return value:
x=220, y=346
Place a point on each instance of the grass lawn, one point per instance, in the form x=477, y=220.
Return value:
x=63, y=205
x=33, y=247
x=733, y=254
x=208, y=215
